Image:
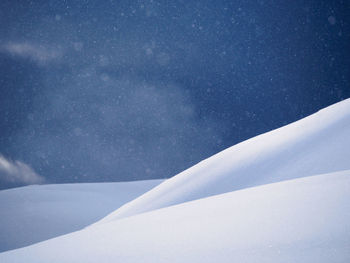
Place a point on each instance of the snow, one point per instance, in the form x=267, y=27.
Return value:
x=35, y=213
x=279, y=197
x=302, y=220
x=314, y=145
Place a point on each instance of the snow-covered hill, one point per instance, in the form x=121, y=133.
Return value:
x=35, y=213
x=317, y=144
x=279, y=197
x=303, y=220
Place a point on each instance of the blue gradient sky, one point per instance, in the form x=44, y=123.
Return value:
x=125, y=90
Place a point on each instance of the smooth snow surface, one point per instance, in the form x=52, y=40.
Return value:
x=314, y=145
x=245, y=204
x=303, y=220
x=35, y=213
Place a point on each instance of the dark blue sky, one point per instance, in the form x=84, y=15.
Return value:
x=124, y=90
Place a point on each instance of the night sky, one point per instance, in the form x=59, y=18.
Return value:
x=96, y=91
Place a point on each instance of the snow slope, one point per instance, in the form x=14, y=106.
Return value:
x=317, y=144
x=204, y=214
x=302, y=220
x=35, y=213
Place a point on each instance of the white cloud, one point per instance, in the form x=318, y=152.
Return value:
x=38, y=53
x=17, y=172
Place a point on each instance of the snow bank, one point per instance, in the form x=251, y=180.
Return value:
x=35, y=213
x=302, y=220
x=201, y=215
x=317, y=144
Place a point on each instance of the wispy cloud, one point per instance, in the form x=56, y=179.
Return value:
x=17, y=172
x=38, y=53
x=106, y=127
x=115, y=110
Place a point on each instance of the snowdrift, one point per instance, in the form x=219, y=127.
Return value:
x=279, y=197
x=303, y=220
x=314, y=145
x=35, y=213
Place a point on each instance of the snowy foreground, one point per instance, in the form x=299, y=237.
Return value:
x=279, y=197
x=35, y=213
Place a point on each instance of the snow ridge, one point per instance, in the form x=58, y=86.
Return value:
x=314, y=145
x=282, y=196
